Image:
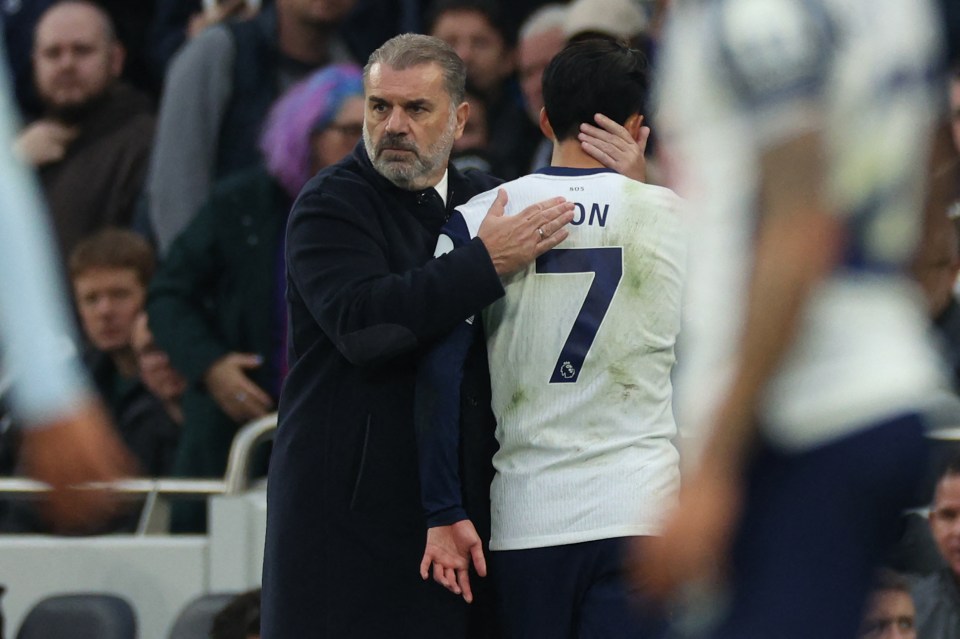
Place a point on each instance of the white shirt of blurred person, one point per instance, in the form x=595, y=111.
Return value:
x=890, y=613
x=937, y=595
x=804, y=342
x=541, y=38
x=68, y=439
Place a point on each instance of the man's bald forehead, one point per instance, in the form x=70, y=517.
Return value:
x=91, y=9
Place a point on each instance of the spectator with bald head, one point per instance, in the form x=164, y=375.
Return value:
x=92, y=144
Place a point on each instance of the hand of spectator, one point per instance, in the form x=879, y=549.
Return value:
x=159, y=376
x=451, y=549
x=44, y=142
x=79, y=448
x=223, y=10
x=233, y=391
x=515, y=241
x=612, y=146
x=694, y=544
x=156, y=372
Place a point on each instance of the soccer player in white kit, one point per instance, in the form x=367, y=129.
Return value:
x=580, y=349
x=798, y=133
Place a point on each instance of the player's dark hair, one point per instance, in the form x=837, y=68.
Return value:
x=593, y=76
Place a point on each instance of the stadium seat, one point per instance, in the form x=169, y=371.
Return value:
x=195, y=619
x=80, y=616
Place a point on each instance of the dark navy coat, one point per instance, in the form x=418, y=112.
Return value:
x=345, y=527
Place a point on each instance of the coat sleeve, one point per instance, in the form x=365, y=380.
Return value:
x=339, y=263
x=178, y=295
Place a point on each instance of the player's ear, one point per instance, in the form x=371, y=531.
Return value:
x=463, y=112
x=633, y=124
x=545, y=126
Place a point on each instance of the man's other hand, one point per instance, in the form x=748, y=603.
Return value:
x=451, y=549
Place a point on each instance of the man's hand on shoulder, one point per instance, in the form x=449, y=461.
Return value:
x=515, y=241
x=44, y=142
x=451, y=549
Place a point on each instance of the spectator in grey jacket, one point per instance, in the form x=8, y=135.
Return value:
x=217, y=93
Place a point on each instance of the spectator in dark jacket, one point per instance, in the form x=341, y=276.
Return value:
x=216, y=305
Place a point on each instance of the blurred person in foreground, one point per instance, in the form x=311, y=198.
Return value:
x=233, y=355
x=68, y=439
x=806, y=360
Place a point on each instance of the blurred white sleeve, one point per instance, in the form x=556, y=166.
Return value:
x=36, y=329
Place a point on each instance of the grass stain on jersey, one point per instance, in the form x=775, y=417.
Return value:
x=518, y=398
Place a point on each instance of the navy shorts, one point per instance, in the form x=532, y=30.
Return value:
x=571, y=591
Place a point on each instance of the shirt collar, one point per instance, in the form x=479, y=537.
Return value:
x=442, y=186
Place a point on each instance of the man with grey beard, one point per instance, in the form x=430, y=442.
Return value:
x=345, y=528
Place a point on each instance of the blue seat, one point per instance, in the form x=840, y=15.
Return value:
x=80, y=616
x=196, y=619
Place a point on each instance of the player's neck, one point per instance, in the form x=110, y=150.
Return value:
x=569, y=154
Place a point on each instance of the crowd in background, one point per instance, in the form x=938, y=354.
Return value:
x=170, y=142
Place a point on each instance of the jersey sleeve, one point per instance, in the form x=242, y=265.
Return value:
x=437, y=420
x=437, y=396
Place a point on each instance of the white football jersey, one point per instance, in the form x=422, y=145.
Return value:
x=738, y=76
x=581, y=350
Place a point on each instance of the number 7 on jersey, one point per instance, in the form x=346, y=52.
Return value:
x=606, y=263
